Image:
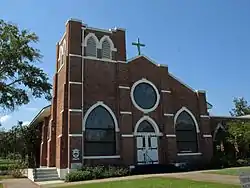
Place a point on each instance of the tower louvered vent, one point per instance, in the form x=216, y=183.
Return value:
x=106, y=50
x=91, y=47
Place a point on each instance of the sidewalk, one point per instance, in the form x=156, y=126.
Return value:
x=196, y=176
x=19, y=183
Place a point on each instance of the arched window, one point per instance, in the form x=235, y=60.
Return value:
x=186, y=135
x=99, y=133
x=91, y=48
x=106, y=49
x=145, y=126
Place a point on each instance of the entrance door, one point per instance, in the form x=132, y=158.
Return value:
x=147, y=149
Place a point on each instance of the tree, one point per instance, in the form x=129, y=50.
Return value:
x=19, y=77
x=239, y=131
x=239, y=137
x=241, y=107
x=22, y=141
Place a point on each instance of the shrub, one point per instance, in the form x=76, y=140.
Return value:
x=242, y=162
x=5, y=167
x=96, y=172
x=78, y=176
x=16, y=173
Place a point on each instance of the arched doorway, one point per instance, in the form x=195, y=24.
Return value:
x=147, y=132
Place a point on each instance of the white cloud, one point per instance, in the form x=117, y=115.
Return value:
x=26, y=122
x=31, y=109
x=5, y=118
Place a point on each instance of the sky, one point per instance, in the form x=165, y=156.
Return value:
x=206, y=44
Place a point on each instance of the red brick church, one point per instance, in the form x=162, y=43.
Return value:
x=107, y=109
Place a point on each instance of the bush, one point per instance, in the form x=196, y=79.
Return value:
x=5, y=167
x=96, y=172
x=242, y=162
x=16, y=173
x=78, y=176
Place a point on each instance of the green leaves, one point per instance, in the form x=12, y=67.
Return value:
x=19, y=77
x=240, y=107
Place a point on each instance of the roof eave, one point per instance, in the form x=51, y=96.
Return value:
x=45, y=112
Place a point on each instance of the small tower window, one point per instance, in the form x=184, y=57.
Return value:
x=91, y=47
x=106, y=49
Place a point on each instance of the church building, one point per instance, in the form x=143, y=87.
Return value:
x=107, y=109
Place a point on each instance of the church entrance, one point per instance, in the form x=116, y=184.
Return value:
x=147, y=149
x=146, y=132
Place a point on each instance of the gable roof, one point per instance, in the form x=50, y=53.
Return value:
x=147, y=58
x=209, y=106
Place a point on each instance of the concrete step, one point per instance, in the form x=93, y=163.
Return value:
x=47, y=176
x=46, y=172
x=46, y=179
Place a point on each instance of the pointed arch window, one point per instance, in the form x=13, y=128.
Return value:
x=106, y=49
x=99, y=133
x=186, y=135
x=145, y=126
x=91, y=48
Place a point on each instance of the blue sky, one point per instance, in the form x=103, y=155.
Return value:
x=205, y=43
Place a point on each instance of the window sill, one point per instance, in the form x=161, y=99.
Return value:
x=188, y=154
x=102, y=157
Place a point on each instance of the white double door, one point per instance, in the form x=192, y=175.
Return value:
x=147, y=149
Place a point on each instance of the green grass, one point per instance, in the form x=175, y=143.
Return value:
x=230, y=171
x=5, y=177
x=6, y=161
x=1, y=185
x=153, y=183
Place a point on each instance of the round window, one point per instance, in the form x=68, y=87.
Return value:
x=145, y=96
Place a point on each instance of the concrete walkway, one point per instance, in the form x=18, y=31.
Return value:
x=19, y=183
x=196, y=176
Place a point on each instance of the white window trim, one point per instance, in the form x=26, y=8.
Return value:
x=99, y=59
x=75, y=55
x=75, y=110
x=75, y=135
x=188, y=154
x=112, y=48
x=94, y=58
x=190, y=113
x=127, y=135
x=144, y=80
x=165, y=91
x=94, y=37
x=96, y=42
x=169, y=115
x=102, y=157
x=152, y=122
x=125, y=112
x=100, y=103
x=207, y=136
x=204, y=116
x=76, y=83
x=124, y=87
x=216, y=130
x=171, y=135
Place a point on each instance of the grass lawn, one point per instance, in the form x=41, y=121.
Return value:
x=153, y=183
x=5, y=177
x=1, y=185
x=230, y=171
